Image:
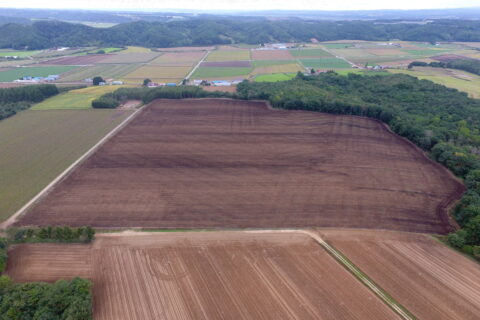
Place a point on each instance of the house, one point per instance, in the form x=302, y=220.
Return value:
x=102, y=83
x=197, y=82
x=116, y=83
x=171, y=84
x=221, y=83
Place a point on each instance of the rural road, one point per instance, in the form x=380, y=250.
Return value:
x=198, y=65
x=384, y=296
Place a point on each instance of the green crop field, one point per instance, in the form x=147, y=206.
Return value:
x=228, y=55
x=21, y=54
x=268, y=63
x=424, y=52
x=310, y=53
x=220, y=72
x=14, y=74
x=274, y=77
x=460, y=80
x=325, y=63
x=104, y=71
x=337, y=45
x=38, y=145
x=75, y=99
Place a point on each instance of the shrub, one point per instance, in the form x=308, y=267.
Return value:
x=105, y=103
x=457, y=239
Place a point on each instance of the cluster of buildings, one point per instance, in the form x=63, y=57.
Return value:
x=217, y=83
x=29, y=79
x=155, y=85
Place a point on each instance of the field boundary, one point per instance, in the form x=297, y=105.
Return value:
x=353, y=269
x=13, y=218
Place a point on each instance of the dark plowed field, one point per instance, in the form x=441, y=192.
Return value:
x=226, y=163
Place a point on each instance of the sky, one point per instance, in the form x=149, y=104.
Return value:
x=239, y=4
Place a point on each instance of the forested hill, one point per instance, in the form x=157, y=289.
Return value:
x=47, y=34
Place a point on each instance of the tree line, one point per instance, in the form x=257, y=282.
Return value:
x=13, y=100
x=224, y=30
x=70, y=300
x=469, y=65
x=440, y=120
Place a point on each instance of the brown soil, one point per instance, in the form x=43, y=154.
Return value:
x=220, y=88
x=80, y=60
x=212, y=275
x=271, y=55
x=227, y=163
x=245, y=64
x=449, y=57
x=431, y=280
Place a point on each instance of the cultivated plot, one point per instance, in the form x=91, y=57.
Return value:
x=310, y=53
x=17, y=73
x=325, y=63
x=36, y=146
x=79, y=60
x=228, y=55
x=283, y=68
x=271, y=55
x=429, y=279
x=158, y=72
x=104, y=71
x=74, y=99
x=212, y=275
x=177, y=58
x=137, y=57
x=229, y=163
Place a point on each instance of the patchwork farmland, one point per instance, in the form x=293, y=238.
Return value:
x=181, y=155
x=257, y=276
x=431, y=280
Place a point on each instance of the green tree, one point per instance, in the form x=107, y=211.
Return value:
x=97, y=80
x=146, y=82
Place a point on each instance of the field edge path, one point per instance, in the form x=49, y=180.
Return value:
x=353, y=269
x=13, y=218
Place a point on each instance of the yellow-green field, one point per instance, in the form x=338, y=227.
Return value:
x=75, y=99
x=158, y=72
x=36, y=146
x=229, y=55
x=460, y=80
x=132, y=49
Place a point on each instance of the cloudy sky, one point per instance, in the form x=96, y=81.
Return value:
x=241, y=4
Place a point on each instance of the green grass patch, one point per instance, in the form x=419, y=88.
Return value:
x=75, y=99
x=268, y=63
x=337, y=45
x=17, y=73
x=310, y=53
x=20, y=54
x=274, y=77
x=220, y=72
x=325, y=63
x=38, y=145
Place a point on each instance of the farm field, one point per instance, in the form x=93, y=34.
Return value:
x=216, y=163
x=431, y=280
x=205, y=275
x=282, y=68
x=157, y=72
x=184, y=57
x=274, y=77
x=310, y=53
x=325, y=63
x=38, y=145
x=74, y=99
x=20, y=54
x=458, y=79
x=16, y=73
x=271, y=55
x=104, y=71
x=228, y=55
x=78, y=60
x=133, y=57
x=220, y=72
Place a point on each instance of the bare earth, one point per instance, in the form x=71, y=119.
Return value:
x=431, y=280
x=229, y=163
x=207, y=275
